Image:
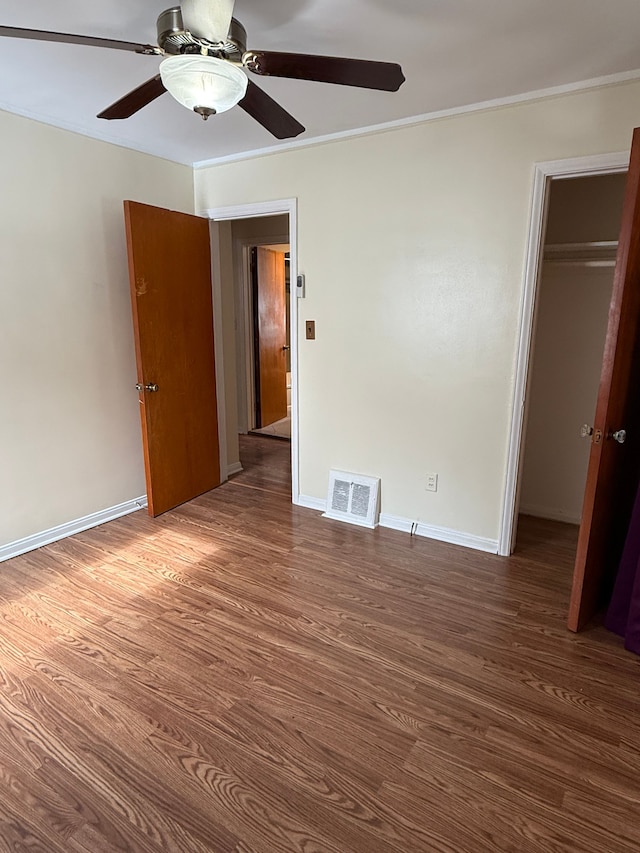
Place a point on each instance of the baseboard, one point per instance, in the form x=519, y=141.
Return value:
x=37, y=540
x=406, y=525
x=311, y=503
x=551, y=514
x=442, y=534
x=234, y=468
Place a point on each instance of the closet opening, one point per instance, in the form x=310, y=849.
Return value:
x=574, y=287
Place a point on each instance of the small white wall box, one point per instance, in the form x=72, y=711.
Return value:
x=353, y=498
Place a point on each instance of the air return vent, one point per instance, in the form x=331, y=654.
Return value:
x=353, y=498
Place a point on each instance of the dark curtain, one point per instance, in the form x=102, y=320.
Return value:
x=623, y=615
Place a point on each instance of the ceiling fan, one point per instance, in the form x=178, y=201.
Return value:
x=205, y=63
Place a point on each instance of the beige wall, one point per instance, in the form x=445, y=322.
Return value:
x=261, y=228
x=573, y=215
x=69, y=431
x=413, y=246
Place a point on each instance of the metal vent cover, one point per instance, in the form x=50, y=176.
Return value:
x=353, y=498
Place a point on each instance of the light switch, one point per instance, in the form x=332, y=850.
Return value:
x=311, y=330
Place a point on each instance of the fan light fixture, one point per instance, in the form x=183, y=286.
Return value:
x=204, y=84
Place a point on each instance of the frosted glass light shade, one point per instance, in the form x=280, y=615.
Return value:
x=203, y=82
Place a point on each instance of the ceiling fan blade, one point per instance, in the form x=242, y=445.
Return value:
x=386, y=76
x=68, y=38
x=135, y=100
x=208, y=19
x=269, y=113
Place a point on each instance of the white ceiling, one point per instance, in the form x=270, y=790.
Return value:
x=453, y=53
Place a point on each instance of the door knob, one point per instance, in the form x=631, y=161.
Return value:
x=151, y=387
x=620, y=435
x=285, y=348
x=586, y=431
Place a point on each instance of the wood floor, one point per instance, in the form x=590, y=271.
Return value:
x=242, y=675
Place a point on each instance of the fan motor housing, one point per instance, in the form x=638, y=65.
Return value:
x=173, y=38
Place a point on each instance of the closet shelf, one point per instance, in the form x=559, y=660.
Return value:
x=597, y=253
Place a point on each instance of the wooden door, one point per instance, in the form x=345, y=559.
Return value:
x=612, y=475
x=171, y=298
x=271, y=336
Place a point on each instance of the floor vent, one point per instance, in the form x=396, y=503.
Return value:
x=353, y=498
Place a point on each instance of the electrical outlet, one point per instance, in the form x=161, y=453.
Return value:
x=432, y=483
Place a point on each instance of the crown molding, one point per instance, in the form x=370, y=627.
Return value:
x=424, y=118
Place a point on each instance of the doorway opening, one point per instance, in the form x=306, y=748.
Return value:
x=575, y=280
x=258, y=331
x=270, y=283
x=573, y=242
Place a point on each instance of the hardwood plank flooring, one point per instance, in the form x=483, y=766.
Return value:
x=244, y=676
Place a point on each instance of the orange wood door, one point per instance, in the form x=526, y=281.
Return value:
x=271, y=336
x=612, y=476
x=170, y=277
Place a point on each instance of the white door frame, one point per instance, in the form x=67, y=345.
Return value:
x=579, y=167
x=273, y=208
